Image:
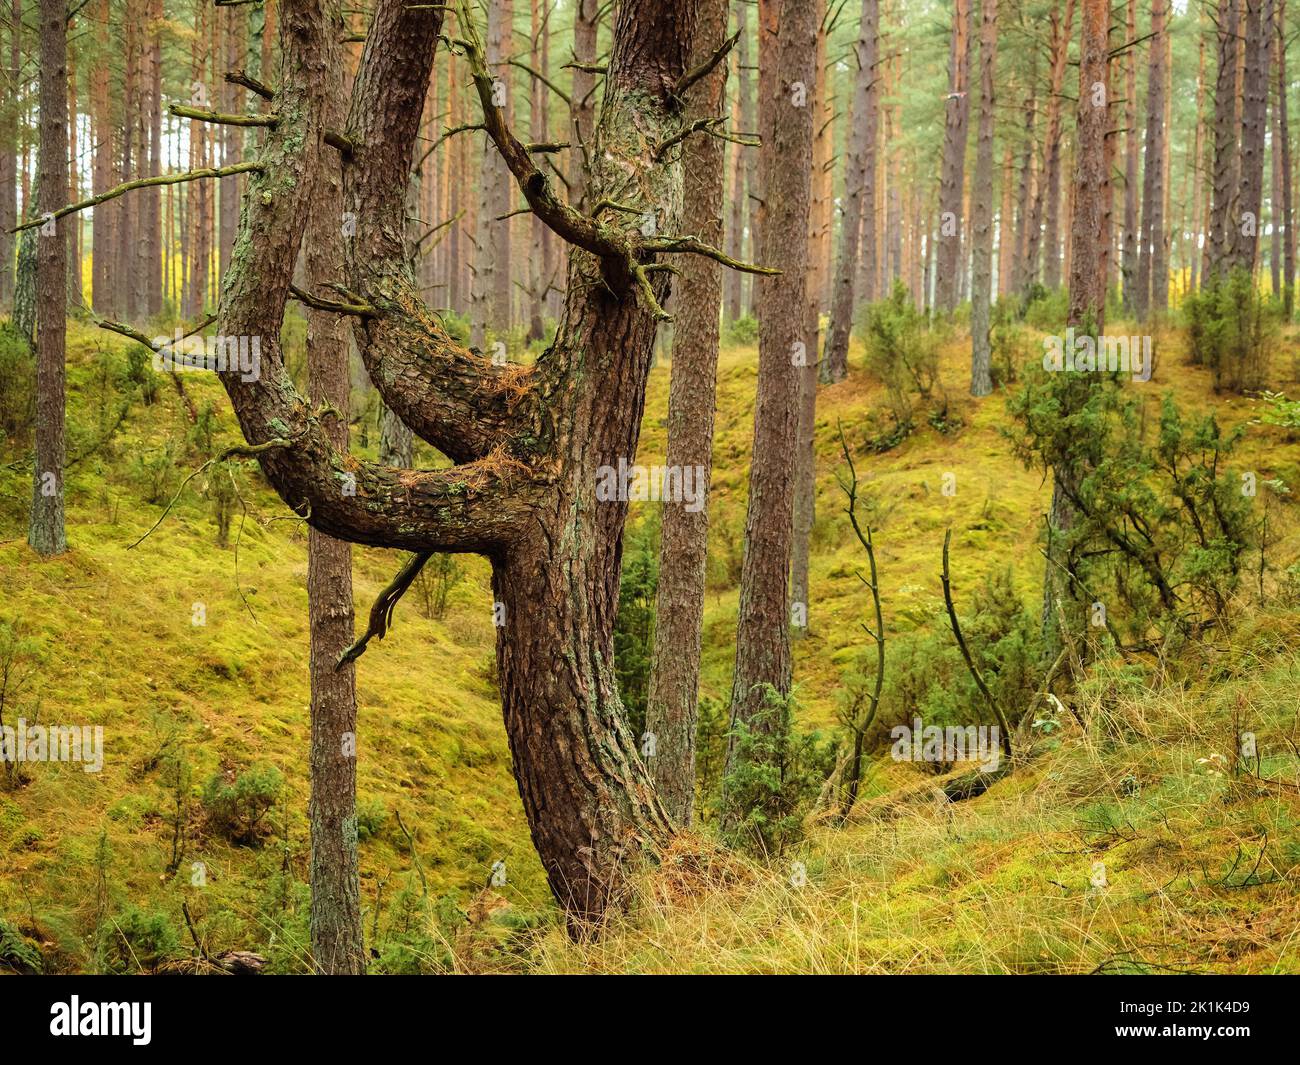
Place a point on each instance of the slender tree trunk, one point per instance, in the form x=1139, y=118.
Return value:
x=805, y=473
x=1132, y=152
x=1259, y=23
x=1044, y=236
x=9, y=157
x=1090, y=222
x=1152, y=287
x=981, y=377
x=336, y=935
x=732, y=282
x=762, y=630
x=860, y=162
x=46, y=531
x=951, y=181
x=1284, y=147
x=1222, y=242
x=679, y=604
x=582, y=96
x=74, y=188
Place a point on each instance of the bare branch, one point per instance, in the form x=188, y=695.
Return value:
x=144, y=183
x=695, y=246
x=319, y=303
x=201, y=114
x=240, y=77
x=704, y=69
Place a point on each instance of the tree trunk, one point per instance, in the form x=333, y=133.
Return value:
x=582, y=96
x=9, y=157
x=1090, y=247
x=981, y=375
x=861, y=161
x=762, y=628
x=1259, y=23
x=1284, y=146
x=805, y=471
x=45, y=531
x=1129, y=255
x=1151, y=295
x=736, y=205
x=679, y=604
x=953, y=163
x=1222, y=241
x=337, y=941
x=532, y=448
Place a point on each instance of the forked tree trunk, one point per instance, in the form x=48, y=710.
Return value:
x=679, y=603
x=531, y=445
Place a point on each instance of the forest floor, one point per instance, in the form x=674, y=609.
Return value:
x=1200, y=865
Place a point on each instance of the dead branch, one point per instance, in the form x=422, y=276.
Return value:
x=704, y=69
x=143, y=183
x=965, y=651
x=381, y=614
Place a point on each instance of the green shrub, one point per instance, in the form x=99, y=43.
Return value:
x=237, y=808
x=1231, y=330
x=635, y=623
x=775, y=775
x=136, y=941
x=903, y=352
x=16, y=953
x=372, y=816
x=17, y=387
x=743, y=331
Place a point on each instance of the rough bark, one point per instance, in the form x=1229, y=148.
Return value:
x=9, y=157
x=1090, y=221
x=1151, y=260
x=805, y=471
x=46, y=530
x=860, y=160
x=337, y=940
x=1284, y=146
x=1221, y=242
x=528, y=443
x=953, y=163
x=762, y=629
x=679, y=603
x=1258, y=31
x=1129, y=252
x=981, y=375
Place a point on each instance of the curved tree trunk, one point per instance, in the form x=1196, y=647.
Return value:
x=531, y=445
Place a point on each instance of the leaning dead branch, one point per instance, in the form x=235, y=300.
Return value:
x=965, y=652
x=381, y=614
x=853, y=777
